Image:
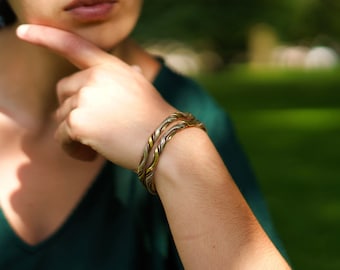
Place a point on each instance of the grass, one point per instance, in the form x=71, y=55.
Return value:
x=289, y=124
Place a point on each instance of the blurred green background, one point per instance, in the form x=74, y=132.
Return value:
x=284, y=100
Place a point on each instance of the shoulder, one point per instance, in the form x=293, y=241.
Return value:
x=187, y=95
x=180, y=89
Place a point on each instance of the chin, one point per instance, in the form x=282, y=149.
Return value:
x=105, y=36
x=106, y=44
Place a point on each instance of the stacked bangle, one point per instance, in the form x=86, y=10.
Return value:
x=179, y=121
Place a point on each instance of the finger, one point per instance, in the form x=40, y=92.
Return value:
x=74, y=148
x=66, y=107
x=78, y=51
x=70, y=85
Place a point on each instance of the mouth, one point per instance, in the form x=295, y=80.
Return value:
x=87, y=3
x=90, y=10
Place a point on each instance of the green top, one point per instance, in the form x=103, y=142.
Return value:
x=117, y=224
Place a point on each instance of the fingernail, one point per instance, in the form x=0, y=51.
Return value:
x=22, y=30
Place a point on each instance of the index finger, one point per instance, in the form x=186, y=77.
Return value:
x=78, y=51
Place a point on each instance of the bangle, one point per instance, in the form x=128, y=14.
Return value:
x=146, y=174
x=141, y=170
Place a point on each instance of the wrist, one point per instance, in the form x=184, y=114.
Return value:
x=156, y=143
x=186, y=163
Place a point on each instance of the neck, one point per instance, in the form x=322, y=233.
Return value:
x=28, y=76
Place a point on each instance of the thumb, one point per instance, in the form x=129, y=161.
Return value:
x=75, y=49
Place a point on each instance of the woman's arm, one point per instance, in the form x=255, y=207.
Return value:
x=212, y=224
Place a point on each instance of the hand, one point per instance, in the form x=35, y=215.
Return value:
x=107, y=106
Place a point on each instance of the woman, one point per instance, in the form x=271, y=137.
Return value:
x=77, y=109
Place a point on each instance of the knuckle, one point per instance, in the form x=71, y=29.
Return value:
x=60, y=84
x=84, y=96
x=96, y=75
x=74, y=124
x=72, y=45
x=60, y=89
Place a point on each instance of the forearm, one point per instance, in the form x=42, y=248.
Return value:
x=212, y=225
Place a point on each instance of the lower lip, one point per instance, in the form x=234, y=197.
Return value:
x=92, y=13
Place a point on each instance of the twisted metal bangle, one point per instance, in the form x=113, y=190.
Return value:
x=141, y=170
x=148, y=180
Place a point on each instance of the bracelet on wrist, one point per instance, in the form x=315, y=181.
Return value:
x=179, y=121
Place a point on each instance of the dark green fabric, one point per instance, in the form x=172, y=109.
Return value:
x=118, y=225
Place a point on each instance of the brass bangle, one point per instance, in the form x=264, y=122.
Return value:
x=141, y=170
x=149, y=172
